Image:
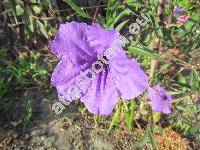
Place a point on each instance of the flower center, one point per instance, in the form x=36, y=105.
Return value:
x=164, y=98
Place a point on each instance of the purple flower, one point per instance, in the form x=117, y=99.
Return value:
x=182, y=19
x=160, y=100
x=82, y=50
x=178, y=10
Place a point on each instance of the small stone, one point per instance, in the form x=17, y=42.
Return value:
x=43, y=137
x=35, y=132
x=51, y=139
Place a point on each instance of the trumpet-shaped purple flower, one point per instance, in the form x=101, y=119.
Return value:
x=97, y=79
x=160, y=100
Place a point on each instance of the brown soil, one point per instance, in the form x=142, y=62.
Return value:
x=73, y=129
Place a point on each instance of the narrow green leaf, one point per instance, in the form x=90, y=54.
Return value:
x=115, y=118
x=121, y=25
x=29, y=28
x=156, y=27
x=77, y=9
x=13, y=5
x=122, y=14
x=28, y=114
x=194, y=80
x=42, y=28
x=152, y=138
x=142, y=51
x=107, y=13
x=141, y=143
x=129, y=114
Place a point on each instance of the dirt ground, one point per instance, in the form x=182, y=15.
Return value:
x=73, y=129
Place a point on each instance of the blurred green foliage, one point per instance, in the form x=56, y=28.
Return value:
x=35, y=16
x=27, y=69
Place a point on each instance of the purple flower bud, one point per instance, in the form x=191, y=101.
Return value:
x=160, y=100
x=178, y=10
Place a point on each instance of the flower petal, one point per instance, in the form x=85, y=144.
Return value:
x=157, y=106
x=160, y=100
x=102, y=95
x=65, y=78
x=101, y=39
x=166, y=109
x=66, y=71
x=130, y=79
x=71, y=44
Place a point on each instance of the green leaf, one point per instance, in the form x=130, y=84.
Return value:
x=194, y=80
x=29, y=28
x=152, y=138
x=156, y=27
x=122, y=14
x=141, y=143
x=28, y=114
x=156, y=117
x=111, y=13
x=133, y=4
x=77, y=9
x=13, y=5
x=44, y=1
x=133, y=49
x=129, y=114
x=121, y=25
x=195, y=129
x=182, y=81
x=115, y=118
x=107, y=14
x=19, y=10
x=42, y=28
x=37, y=9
